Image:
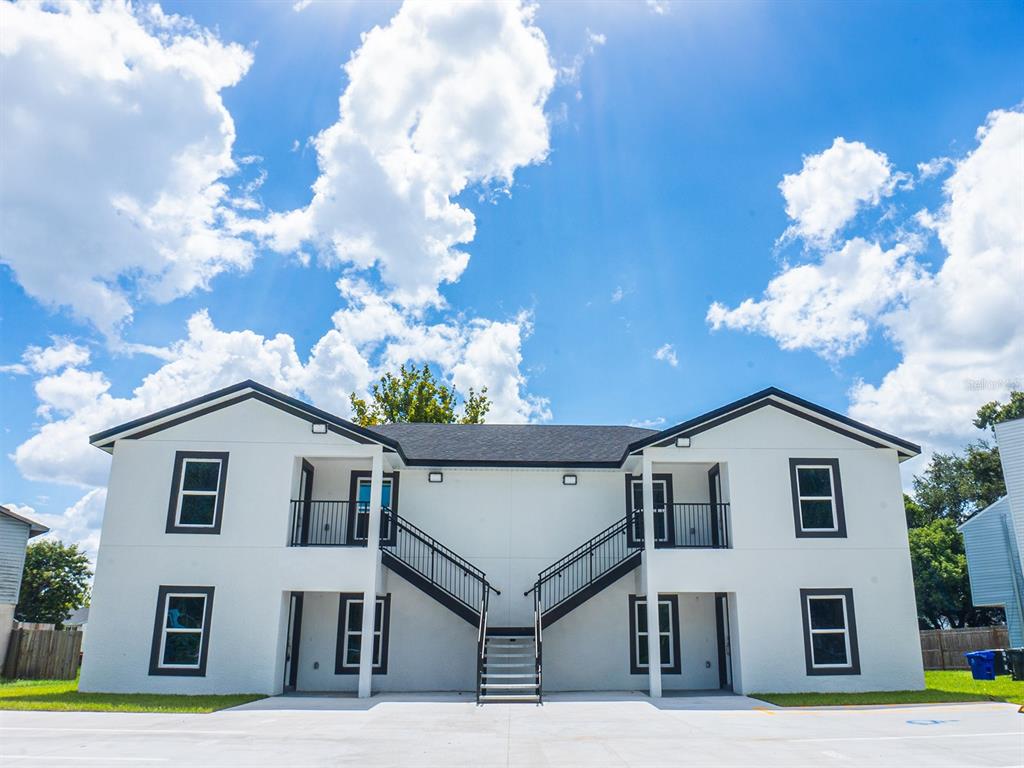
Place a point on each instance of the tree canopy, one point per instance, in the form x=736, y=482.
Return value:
x=952, y=488
x=415, y=395
x=55, y=582
x=994, y=413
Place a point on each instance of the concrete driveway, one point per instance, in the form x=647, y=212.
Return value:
x=591, y=730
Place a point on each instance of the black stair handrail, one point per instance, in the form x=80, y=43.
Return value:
x=626, y=528
x=538, y=639
x=481, y=644
x=417, y=549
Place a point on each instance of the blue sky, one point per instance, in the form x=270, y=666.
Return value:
x=621, y=162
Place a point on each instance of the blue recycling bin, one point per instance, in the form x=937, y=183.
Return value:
x=983, y=664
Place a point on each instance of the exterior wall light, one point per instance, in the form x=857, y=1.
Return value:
x=435, y=477
x=319, y=429
x=569, y=479
x=682, y=442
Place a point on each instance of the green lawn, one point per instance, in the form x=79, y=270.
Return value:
x=63, y=696
x=941, y=687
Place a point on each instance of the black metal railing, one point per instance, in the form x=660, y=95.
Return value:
x=481, y=644
x=324, y=523
x=581, y=568
x=538, y=639
x=698, y=525
x=441, y=567
x=329, y=523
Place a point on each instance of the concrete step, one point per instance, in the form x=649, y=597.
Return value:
x=509, y=698
x=502, y=676
x=510, y=656
x=519, y=665
x=510, y=686
x=510, y=645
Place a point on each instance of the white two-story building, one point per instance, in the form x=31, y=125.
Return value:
x=758, y=547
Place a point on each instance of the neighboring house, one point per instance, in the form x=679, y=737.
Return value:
x=245, y=531
x=15, y=531
x=993, y=538
x=78, y=619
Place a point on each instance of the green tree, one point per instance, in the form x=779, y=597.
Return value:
x=941, y=581
x=55, y=582
x=994, y=413
x=953, y=487
x=416, y=396
x=915, y=514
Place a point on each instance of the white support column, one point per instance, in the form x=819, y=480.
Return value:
x=653, y=636
x=370, y=593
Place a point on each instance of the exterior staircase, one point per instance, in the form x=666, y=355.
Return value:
x=432, y=567
x=509, y=659
x=576, y=577
x=594, y=565
x=509, y=666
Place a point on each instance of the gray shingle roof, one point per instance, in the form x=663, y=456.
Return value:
x=539, y=444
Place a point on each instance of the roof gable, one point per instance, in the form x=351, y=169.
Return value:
x=223, y=398
x=34, y=528
x=776, y=398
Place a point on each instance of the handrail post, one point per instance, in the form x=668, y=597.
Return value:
x=591, y=558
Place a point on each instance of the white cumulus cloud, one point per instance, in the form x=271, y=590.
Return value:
x=961, y=335
x=116, y=144
x=368, y=337
x=78, y=524
x=61, y=353
x=442, y=97
x=828, y=306
x=832, y=186
x=956, y=326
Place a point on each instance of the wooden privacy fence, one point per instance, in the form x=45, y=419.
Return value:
x=945, y=648
x=43, y=654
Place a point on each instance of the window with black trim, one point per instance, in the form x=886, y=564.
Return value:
x=817, y=498
x=197, y=492
x=830, y=632
x=350, y=639
x=181, y=632
x=668, y=631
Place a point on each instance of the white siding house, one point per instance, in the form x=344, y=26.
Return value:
x=15, y=531
x=993, y=537
x=245, y=530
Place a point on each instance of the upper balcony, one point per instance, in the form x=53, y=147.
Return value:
x=691, y=525
x=691, y=505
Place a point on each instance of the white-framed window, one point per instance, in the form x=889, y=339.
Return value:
x=197, y=492
x=668, y=634
x=830, y=631
x=181, y=635
x=350, y=638
x=817, y=498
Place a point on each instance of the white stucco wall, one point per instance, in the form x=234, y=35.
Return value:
x=768, y=564
x=248, y=563
x=511, y=523
x=429, y=649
